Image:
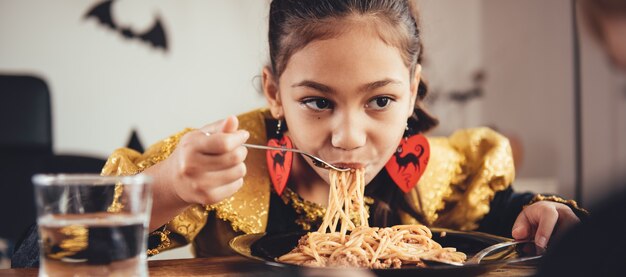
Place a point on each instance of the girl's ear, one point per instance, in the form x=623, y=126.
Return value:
x=415, y=82
x=271, y=92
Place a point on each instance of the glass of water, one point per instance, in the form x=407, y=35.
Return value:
x=92, y=225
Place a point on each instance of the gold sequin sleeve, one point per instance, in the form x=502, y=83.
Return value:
x=183, y=228
x=248, y=209
x=463, y=175
x=125, y=161
x=580, y=212
x=245, y=211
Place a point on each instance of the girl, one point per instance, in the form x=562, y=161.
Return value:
x=344, y=83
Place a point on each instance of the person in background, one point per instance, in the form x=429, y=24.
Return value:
x=606, y=21
x=344, y=83
x=597, y=246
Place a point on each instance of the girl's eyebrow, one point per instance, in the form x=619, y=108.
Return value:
x=364, y=88
x=314, y=85
x=379, y=84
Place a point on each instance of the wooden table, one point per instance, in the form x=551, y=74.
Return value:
x=240, y=266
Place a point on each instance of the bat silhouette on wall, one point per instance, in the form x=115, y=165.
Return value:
x=155, y=37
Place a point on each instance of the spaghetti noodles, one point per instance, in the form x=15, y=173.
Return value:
x=363, y=246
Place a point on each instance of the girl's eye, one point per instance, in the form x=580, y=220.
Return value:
x=379, y=103
x=318, y=103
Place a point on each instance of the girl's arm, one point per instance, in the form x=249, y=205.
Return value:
x=203, y=169
x=520, y=215
x=189, y=169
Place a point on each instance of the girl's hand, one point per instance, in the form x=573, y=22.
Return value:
x=204, y=169
x=540, y=219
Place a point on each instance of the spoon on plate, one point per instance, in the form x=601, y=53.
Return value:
x=316, y=161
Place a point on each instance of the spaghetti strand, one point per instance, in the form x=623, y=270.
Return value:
x=358, y=245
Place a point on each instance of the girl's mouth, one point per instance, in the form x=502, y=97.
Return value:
x=349, y=165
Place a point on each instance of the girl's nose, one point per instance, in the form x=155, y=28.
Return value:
x=349, y=133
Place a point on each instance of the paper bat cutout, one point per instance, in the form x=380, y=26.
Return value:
x=154, y=37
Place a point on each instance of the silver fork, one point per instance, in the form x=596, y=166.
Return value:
x=478, y=257
x=316, y=161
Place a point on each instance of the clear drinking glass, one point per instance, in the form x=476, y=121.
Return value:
x=92, y=225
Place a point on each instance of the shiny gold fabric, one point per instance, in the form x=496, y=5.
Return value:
x=126, y=161
x=486, y=168
x=462, y=176
x=570, y=203
x=247, y=209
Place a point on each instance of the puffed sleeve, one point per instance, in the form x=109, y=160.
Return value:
x=184, y=227
x=487, y=169
x=464, y=173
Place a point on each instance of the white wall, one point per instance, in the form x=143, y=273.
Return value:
x=528, y=56
x=453, y=39
x=103, y=85
x=526, y=49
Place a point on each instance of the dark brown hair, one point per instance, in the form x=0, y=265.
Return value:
x=295, y=23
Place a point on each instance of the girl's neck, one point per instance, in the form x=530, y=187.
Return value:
x=307, y=183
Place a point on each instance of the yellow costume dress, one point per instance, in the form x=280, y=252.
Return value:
x=466, y=186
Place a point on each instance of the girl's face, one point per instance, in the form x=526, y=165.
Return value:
x=345, y=100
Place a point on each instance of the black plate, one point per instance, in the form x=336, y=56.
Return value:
x=267, y=247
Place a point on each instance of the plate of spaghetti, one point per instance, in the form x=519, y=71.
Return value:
x=344, y=240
